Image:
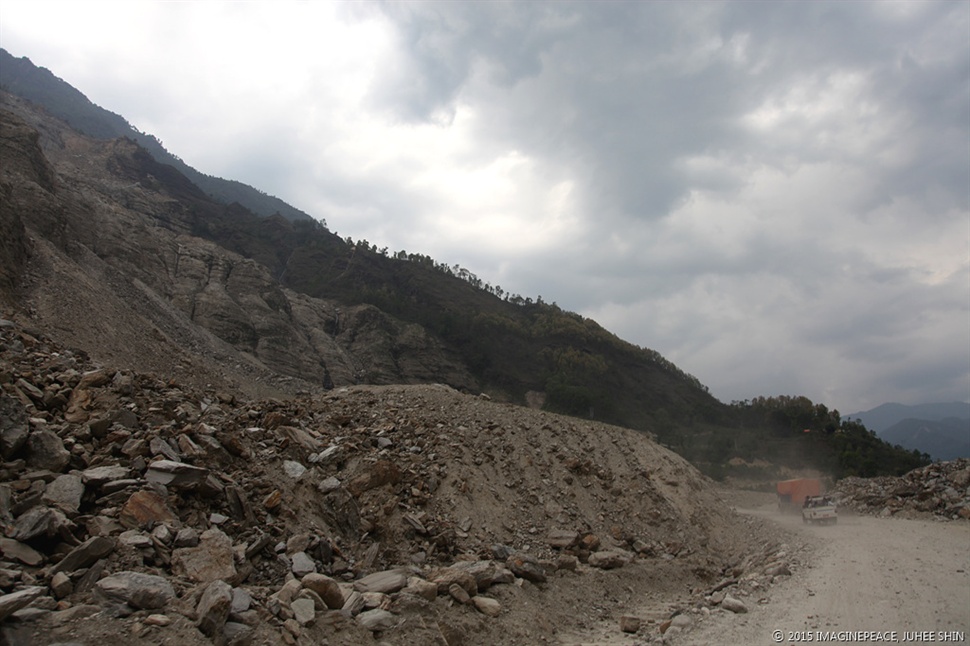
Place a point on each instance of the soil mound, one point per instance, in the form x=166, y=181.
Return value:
x=415, y=513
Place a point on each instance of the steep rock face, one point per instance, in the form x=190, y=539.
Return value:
x=13, y=245
x=121, y=268
x=23, y=172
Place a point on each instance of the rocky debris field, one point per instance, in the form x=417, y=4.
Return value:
x=941, y=489
x=137, y=510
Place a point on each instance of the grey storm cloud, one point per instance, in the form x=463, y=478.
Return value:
x=774, y=195
x=621, y=93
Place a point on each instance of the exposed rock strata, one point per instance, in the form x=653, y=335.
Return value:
x=106, y=231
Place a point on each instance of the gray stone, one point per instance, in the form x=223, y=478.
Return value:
x=297, y=543
x=328, y=485
x=387, y=582
x=11, y=603
x=123, y=384
x=158, y=446
x=113, y=486
x=288, y=591
x=145, y=508
x=421, y=588
x=99, y=426
x=74, y=613
x=377, y=620
x=31, y=613
x=136, y=539
x=486, y=573
x=459, y=594
x=415, y=524
x=354, y=603
x=302, y=564
x=61, y=585
x=213, y=608
x=6, y=504
x=125, y=418
x=304, y=611
x=443, y=578
x=328, y=589
x=375, y=600
x=681, y=621
x=567, y=562
x=527, y=567
x=186, y=537
x=330, y=454
x=241, y=601
x=780, y=569
x=65, y=493
x=175, y=474
x=487, y=606
x=98, y=476
x=163, y=534
x=609, y=559
x=39, y=521
x=629, y=624
x=293, y=469
x=30, y=390
x=212, y=559
x=14, y=428
x=8, y=577
x=46, y=451
x=734, y=605
x=239, y=506
x=138, y=590
x=93, y=574
x=16, y=550
x=237, y=634
x=318, y=602
x=135, y=447
x=562, y=539
x=157, y=620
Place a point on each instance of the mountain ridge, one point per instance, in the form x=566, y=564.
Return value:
x=270, y=303
x=886, y=415
x=941, y=430
x=39, y=85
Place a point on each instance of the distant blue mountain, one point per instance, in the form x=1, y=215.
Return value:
x=941, y=430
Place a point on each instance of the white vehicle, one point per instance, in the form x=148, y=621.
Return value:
x=819, y=510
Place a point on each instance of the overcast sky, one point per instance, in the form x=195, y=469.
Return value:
x=773, y=195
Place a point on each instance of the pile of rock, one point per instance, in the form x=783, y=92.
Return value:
x=744, y=584
x=133, y=497
x=941, y=489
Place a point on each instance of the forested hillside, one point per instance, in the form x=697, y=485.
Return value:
x=515, y=348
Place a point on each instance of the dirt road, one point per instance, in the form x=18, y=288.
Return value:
x=884, y=575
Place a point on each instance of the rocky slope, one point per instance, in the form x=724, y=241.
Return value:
x=941, y=489
x=138, y=509
x=107, y=262
x=188, y=456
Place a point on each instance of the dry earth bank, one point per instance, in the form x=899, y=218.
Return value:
x=139, y=510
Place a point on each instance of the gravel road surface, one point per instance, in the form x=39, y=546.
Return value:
x=903, y=581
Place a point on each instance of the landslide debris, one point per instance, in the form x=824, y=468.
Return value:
x=140, y=510
x=941, y=490
x=104, y=252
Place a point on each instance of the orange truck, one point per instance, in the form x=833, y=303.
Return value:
x=792, y=493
